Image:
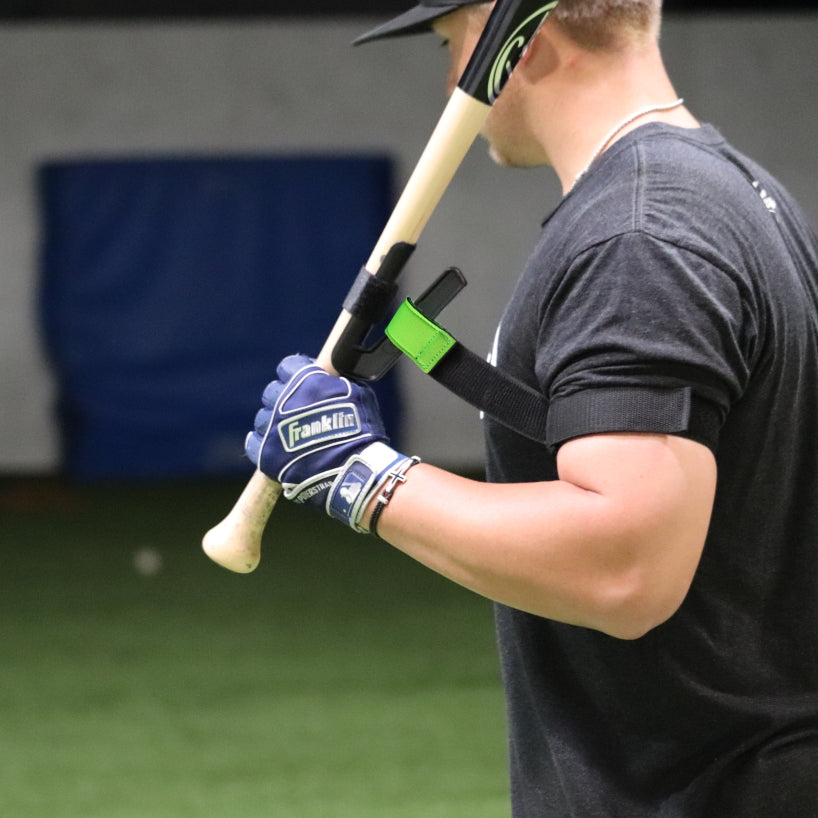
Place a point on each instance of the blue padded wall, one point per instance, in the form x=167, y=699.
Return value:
x=170, y=288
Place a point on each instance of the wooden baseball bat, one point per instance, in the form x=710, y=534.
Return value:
x=235, y=543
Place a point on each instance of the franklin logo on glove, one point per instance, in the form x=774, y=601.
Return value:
x=322, y=438
x=318, y=425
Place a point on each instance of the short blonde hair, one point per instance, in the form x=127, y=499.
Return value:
x=601, y=25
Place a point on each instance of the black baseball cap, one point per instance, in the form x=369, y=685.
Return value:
x=414, y=21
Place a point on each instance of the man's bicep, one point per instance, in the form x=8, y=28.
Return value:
x=660, y=489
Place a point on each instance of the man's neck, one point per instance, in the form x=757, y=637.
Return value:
x=593, y=101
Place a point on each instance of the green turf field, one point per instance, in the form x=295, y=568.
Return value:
x=340, y=680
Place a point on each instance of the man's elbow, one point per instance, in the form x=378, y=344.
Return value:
x=636, y=603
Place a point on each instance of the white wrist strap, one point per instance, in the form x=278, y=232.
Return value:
x=360, y=479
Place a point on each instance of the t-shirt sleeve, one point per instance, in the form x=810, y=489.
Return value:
x=642, y=335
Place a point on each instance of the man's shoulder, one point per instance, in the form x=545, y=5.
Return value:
x=671, y=184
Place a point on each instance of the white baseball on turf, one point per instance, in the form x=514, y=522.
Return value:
x=147, y=561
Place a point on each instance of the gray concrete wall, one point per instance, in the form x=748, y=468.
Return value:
x=96, y=90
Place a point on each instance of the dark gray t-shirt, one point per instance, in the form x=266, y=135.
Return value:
x=676, y=289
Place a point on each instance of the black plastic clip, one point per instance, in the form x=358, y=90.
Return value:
x=367, y=304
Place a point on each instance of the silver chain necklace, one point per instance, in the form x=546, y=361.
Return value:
x=653, y=109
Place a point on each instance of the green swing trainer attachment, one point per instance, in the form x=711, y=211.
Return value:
x=368, y=303
x=418, y=337
x=470, y=377
x=413, y=331
x=525, y=410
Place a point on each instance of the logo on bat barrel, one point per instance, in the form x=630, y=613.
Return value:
x=512, y=51
x=319, y=425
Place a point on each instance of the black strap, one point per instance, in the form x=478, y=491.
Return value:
x=526, y=411
x=651, y=409
x=500, y=396
x=658, y=410
x=620, y=409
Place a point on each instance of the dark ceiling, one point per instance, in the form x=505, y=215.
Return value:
x=164, y=9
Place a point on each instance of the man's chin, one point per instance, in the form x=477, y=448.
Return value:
x=496, y=156
x=509, y=159
x=500, y=158
x=504, y=160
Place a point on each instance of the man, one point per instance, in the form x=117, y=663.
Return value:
x=655, y=562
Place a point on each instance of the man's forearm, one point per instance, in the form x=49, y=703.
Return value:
x=582, y=555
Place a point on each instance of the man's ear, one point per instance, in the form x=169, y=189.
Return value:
x=541, y=57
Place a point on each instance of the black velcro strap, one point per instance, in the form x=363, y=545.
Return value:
x=646, y=409
x=621, y=409
x=670, y=411
x=652, y=410
x=370, y=296
x=507, y=400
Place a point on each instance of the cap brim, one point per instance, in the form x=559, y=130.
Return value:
x=414, y=21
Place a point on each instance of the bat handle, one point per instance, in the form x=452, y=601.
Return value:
x=235, y=543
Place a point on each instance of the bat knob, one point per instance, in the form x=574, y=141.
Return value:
x=235, y=543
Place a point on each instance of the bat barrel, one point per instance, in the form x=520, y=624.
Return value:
x=501, y=46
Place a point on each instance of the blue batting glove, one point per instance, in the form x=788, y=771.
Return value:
x=322, y=437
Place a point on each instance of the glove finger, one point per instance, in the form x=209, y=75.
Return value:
x=271, y=393
x=252, y=447
x=310, y=386
x=262, y=421
x=292, y=364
